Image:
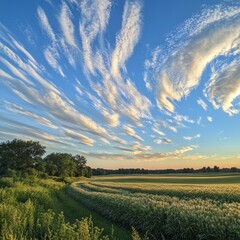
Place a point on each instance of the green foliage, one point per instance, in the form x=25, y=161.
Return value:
x=19, y=158
x=66, y=165
x=19, y=155
x=60, y=164
x=25, y=213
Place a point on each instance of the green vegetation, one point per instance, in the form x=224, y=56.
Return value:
x=171, y=206
x=176, y=211
x=31, y=208
x=19, y=157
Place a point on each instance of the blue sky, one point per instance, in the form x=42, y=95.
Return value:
x=151, y=84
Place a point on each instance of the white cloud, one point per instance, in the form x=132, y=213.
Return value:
x=191, y=138
x=45, y=24
x=158, y=132
x=202, y=104
x=165, y=124
x=155, y=156
x=182, y=69
x=199, y=120
x=139, y=147
x=15, y=70
x=181, y=118
x=186, y=149
x=67, y=25
x=127, y=38
x=26, y=68
x=99, y=59
x=104, y=140
x=30, y=115
x=80, y=137
x=163, y=140
x=50, y=56
x=209, y=118
x=224, y=87
x=125, y=149
x=95, y=16
x=111, y=118
x=131, y=132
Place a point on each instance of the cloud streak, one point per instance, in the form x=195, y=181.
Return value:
x=128, y=36
x=208, y=36
x=67, y=25
x=131, y=132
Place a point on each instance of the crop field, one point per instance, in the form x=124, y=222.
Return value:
x=180, y=206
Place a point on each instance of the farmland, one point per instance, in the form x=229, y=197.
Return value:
x=197, y=206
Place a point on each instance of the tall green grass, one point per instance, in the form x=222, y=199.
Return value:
x=30, y=209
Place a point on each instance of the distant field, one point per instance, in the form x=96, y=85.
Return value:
x=213, y=178
x=177, y=206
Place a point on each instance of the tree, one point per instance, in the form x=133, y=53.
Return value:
x=60, y=164
x=81, y=162
x=216, y=169
x=19, y=154
x=87, y=172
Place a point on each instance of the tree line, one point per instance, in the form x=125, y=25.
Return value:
x=101, y=171
x=26, y=157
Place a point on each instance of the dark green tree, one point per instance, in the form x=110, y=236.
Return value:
x=19, y=155
x=216, y=169
x=60, y=164
x=81, y=162
x=87, y=172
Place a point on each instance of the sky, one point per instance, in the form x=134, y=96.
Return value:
x=149, y=84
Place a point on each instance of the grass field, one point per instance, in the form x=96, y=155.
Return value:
x=177, y=206
x=42, y=209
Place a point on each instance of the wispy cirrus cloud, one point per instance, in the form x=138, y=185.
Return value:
x=45, y=24
x=67, y=25
x=154, y=156
x=189, y=138
x=30, y=115
x=131, y=132
x=186, y=149
x=163, y=140
x=127, y=38
x=224, y=87
x=137, y=148
x=203, y=38
x=51, y=57
x=42, y=93
x=105, y=63
x=95, y=16
x=202, y=104
x=82, y=139
x=158, y=132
